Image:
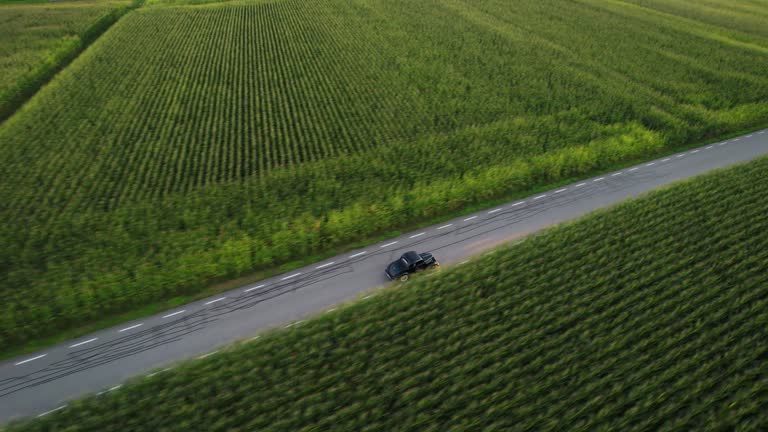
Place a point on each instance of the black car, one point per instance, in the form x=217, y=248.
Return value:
x=410, y=262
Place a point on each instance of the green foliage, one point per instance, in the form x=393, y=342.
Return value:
x=652, y=315
x=39, y=39
x=195, y=143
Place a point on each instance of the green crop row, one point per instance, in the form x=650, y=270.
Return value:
x=39, y=39
x=652, y=315
x=197, y=143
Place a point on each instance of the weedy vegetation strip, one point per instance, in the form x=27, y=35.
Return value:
x=652, y=315
x=191, y=144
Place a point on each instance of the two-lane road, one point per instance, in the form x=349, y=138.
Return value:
x=38, y=383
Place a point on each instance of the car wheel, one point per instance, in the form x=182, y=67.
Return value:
x=404, y=277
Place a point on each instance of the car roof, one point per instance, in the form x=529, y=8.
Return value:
x=411, y=256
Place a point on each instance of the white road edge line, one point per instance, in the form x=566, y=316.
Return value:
x=388, y=244
x=470, y=218
x=158, y=372
x=666, y=160
x=722, y=144
x=326, y=265
x=175, y=313
x=694, y=151
x=518, y=203
x=495, y=210
x=417, y=235
x=680, y=155
x=633, y=169
x=539, y=197
x=51, y=411
x=207, y=355
x=444, y=226
x=131, y=327
x=650, y=164
x=115, y=387
x=599, y=179
x=30, y=359
x=214, y=301
x=83, y=343
x=709, y=147
x=749, y=136
x=580, y=185
x=561, y=190
x=358, y=254
x=289, y=277
x=254, y=288
x=330, y=310
x=464, y=262
x=735, y=139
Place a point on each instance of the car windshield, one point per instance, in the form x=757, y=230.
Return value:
x=404, y=260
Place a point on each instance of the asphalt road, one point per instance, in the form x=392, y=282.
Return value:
x=38, y=383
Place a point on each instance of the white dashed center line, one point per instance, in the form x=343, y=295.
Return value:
x=650, y=164
x=735, y=139
x=539, y=197
x=616, y=174
x=254, y=288
x=388, y=244
x=83, y=343
x=495, y=210
x=115, y=387
x=680, y=155
x=518, y=203
x=290, y=277
x=214, y=301
x=665, y=160
x=444, y=226
x=709, y=147
x=464, y=262
x=130, y=328
x=598, y=179
x=580, y=185
x=357, y=254
x=326, y=265
x=633, y=169
x=694, y=151
x=749, y=136
x=470, y=218
x=417, y=235
x=561, y=190
x=722, y=144
x=52, y=411
x=175, y=313
x=30, y=359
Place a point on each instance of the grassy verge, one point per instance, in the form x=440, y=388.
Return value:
x=651, y=315
x=218, y=286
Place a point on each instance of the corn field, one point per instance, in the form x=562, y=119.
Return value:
x=649, y=316
x=36, y=39
x=197, y=143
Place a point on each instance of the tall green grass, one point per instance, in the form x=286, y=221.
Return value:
x=652, y=315
x=197, y=143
